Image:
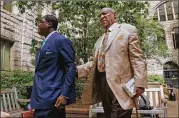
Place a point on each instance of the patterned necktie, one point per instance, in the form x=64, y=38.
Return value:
x=101, y=54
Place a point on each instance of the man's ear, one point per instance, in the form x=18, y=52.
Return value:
x=115, y=15
x=49, y=24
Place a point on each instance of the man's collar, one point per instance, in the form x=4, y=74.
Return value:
x=48, y=36
x=112, y=27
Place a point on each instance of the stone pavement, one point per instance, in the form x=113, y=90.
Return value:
x=81, y=111
x=173, y=109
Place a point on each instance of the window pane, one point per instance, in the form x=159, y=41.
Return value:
x=170, y=16
x=169, y=10
x=175, y=3
x=161, y=10
x=162, y=13
x=7, y=56
x=7, y=5
x=1, y=52
x=162, y=18
x=155, y=17
x=176, y=16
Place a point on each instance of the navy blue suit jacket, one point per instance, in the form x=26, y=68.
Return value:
x=55, y=73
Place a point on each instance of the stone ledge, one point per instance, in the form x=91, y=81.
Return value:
x=77, y=111
x=77, y=108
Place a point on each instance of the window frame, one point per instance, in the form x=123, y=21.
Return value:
x=3, y=45
x=7, y=5
x=163, y=8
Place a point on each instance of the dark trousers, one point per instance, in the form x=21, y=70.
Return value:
x=43, y=113
x=112, y=108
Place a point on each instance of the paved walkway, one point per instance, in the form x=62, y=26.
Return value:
x=81, y=111
x=173, y=109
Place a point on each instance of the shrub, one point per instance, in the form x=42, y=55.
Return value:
x=156, y=78
x=22, y=79
x=79, y=87
x=18, y=79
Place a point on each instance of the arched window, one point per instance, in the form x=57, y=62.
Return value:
x=167, y=11
x=171, y=74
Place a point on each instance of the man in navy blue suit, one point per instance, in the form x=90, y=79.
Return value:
x=55, y=71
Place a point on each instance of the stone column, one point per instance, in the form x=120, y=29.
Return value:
x=165, y=12
x=173, y=11
x=158, y=14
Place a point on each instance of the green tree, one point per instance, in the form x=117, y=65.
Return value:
x=79, y=20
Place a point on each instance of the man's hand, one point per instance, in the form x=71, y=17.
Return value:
x=139, y=91
x=61, y=101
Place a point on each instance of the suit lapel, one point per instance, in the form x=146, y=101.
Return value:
x=37, y=58
x=112, y=36
x=42, y=50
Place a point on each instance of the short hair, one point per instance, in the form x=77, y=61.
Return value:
x=52, y=19
x=108, y=9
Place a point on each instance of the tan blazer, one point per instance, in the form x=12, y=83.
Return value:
x=123, y=60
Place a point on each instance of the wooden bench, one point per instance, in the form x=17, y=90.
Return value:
x=157, y=100
x=10, y=102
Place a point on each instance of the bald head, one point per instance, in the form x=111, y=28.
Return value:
x=107, y=17
x=107, y=9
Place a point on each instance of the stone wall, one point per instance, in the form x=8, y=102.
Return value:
x=20, y=30
x=155, y=65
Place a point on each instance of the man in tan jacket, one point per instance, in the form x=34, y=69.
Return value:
x=117, y=58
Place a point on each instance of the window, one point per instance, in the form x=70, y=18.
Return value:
x=7, y=5
x=170, y=12
x=5, y=47
x=162, y=18
x=162, y=13
x=170, y=16
x=171, y=72
x=167, y=76
x=175, y=3
x=155, y=17
x=176, y=37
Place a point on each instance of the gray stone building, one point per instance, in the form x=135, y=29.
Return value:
x=167, y=13
x=18, y=30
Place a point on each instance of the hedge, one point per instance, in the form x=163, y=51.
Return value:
x=18, y=79
x=22, y=79
x=156, y=78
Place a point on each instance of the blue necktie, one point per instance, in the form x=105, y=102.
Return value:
x=43, y=43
